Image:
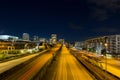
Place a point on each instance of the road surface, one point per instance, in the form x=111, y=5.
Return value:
x=113, y=66
x=66, y=67
x=29, y=70
x=12, y=63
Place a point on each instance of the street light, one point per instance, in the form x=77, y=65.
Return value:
x=106, y=45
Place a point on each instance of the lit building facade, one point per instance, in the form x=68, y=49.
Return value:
x=61, y=41
x=112, y=41
x=18, y=44
x=35, y=38
x=79, y=45
x=8, y=37
x=42, y=39
x=50, y=41
x=53, y=38
x=114, y=44
x=26, y=36
x=96, y=43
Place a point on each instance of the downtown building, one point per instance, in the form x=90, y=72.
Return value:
x=26, y=37
x=53, y=39
x=61, y=41
x=79, y=45
x=8, y=42
x=110, y=43
x=35, y=38
x=42, y=40
x=8, y=37
x=114, y=44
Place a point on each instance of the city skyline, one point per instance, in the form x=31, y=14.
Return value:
x=73, y=20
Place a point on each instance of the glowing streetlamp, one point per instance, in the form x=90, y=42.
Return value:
x=106, y=45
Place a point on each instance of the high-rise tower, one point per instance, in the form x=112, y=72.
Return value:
x=26, y=36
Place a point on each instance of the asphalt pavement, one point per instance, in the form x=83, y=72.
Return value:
x=66, y=67
x=26, y=71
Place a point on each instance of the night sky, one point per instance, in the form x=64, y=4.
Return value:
x=73, y=20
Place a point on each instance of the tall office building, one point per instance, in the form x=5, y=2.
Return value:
x=26, y=36
x=54, y=38
x=61, y=41
x=35, y=38
x=42, y=39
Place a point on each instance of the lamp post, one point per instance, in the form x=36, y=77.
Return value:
x=106, y=45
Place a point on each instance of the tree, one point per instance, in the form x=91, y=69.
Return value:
x=103, y=51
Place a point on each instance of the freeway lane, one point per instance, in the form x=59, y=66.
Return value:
x=4, y=66
x=114, y=63
x=27, y=72
x=113, y=66
x=66, y=67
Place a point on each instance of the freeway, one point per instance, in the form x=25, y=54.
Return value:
x=113, y=66
x=12, y=63
x=113, y=62
x=91, y=63
x=27, y=71
x=66, y=67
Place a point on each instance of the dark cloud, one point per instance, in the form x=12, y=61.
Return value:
x=103, y=9
x=100, y=14
x=113, y=4
x=2, y=31
x=75, y=26
x=106, y=29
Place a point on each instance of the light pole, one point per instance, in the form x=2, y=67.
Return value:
x=106, y=45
